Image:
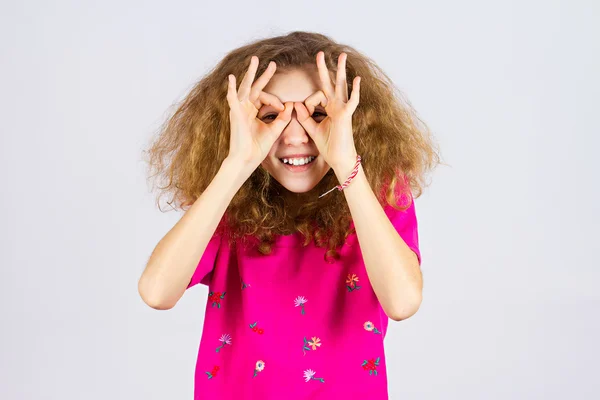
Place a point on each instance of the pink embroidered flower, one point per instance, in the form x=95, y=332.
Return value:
x=369, y=326
x=310, y=374
x=225, y=339
x=260, y=365
x=299, y=302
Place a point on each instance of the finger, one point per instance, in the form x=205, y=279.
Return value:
x=244, y=90
x=262, y=81
x=268, y=99
x=341, y=87
x=232, y=96
x=282, y=120
x=314, y=100
x=355, y=95
x=326, y=83
x=304, y=117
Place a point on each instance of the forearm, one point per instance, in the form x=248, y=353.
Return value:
x=177, y=254
x=392, y=267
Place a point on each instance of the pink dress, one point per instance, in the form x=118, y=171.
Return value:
x=290, y=325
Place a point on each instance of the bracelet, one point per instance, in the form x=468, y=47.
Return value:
x=347, y=182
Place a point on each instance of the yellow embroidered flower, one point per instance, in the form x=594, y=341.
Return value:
x=351, y=280
x=316, y=342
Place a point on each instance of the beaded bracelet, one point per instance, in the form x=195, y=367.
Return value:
x=347, y=182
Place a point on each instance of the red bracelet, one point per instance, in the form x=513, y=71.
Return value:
x=347, y=182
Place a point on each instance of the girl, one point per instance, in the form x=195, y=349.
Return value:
x=297, y=187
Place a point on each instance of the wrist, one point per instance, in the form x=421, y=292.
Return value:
x=345, y=168
x=237, y=169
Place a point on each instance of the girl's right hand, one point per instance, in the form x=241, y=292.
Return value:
x=252, y=139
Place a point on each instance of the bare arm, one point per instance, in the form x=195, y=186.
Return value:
x=393, y=268
x=176, y=256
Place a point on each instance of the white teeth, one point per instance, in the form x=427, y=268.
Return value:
x=297, y=161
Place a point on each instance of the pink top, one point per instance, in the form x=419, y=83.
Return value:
x=290, y=325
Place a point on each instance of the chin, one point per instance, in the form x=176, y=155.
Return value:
x=298, y=187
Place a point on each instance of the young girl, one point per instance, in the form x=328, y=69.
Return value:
x=297, y=186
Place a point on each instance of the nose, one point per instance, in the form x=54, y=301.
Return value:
x=294, y=133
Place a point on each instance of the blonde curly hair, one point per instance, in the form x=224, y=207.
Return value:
x=396, y=147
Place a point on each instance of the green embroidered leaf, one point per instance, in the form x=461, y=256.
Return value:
x=253, y=325
x=306, y=348
x=218, y=305
x=349, y=288
x=375, y=372
x=371, y=372
x=364, y=363
x=358, y=287
x=377, y=361
x=223, y=295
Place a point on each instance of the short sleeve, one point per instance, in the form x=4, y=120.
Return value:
x=207, y=262
x=406, y=224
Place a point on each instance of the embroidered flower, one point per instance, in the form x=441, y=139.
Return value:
x=371, y=366
x=314, y=343
x=216, y=297
x=213, y=373
x=256, y=329
x=260, y=365
x=371, y=328
x=244, y=285
x=351, y=281
x=225, y=339
x=299, y=302
x=310, y=374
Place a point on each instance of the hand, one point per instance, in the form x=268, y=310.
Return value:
x=333, y=136
x=252, y=139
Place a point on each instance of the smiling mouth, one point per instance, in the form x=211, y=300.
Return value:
x=298, y=162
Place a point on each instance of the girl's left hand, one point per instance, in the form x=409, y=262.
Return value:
x=333, y=136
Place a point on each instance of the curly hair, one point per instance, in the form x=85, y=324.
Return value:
x=396, y=147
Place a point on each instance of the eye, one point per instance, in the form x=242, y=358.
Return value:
x=318, y=114
x=267, y=117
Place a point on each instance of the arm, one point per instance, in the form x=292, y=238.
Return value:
x=392, y=267
x=176, y=255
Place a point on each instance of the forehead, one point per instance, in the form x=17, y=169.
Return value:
x=294, y=85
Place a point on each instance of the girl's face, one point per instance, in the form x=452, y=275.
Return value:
x=294, y=144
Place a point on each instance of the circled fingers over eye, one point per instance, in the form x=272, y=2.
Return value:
x=268, y=99
x=315, y=99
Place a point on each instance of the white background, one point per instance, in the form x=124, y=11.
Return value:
x=508, y=231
